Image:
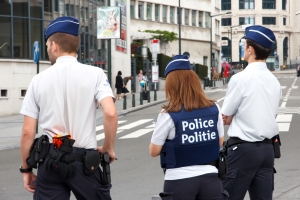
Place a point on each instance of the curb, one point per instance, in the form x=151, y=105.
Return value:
x=140, y=107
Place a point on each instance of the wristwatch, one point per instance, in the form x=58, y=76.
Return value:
x=25, y=170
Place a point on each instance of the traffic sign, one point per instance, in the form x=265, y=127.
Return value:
x=154, y=46
x=36, y=51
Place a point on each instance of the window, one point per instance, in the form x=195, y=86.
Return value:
x=141, y=10
x=5, y=37
x=246, y=4
x=5, y=7
x=207, y=20
x=149, y=11
x=285, y=47
x=193, y=17
x=21, y=47
x=200, y=19
x=246, y=20
x=284, y=21
x=23, y=93
x=157, y=14
x=20, y=8
x=172, y=14
x=186, y=17
x=226, y=22
x=36, y=8
x=205, y=60
x=3, y=93
x=164, y=13
x=269, y=4
x=283, y=4
x=132, y=9
x=269, y=20
x=226, y=5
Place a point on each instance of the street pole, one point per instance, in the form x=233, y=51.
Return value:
x=179, y=28
x=230, y=46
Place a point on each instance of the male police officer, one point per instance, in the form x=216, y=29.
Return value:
x=64, y=99
x=250, y=108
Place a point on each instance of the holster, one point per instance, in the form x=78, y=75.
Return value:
x=61, y=159
x=105, y=173
x=222, y=162
x=91, y=162
x=38, y=151
x=276, y=144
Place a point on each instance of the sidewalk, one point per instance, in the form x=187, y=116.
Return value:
x=11, y=126
x=285, y=71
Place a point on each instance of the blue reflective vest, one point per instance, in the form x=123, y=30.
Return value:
x=196, y=139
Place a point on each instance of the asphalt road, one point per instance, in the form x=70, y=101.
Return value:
x=137, y=176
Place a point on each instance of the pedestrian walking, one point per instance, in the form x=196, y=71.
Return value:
x=188, y=134
x=119, y=85
x=298, y=71
x=62, y=99
x=250, y=108
x=125, y=81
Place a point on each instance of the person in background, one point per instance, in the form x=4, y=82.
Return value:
x=188, y=134
x=145, y=79
x=119, y=85
x=250, y=108
x=140, y=79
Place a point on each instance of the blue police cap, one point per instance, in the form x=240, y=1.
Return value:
x=68, y=25
x=261, y=35
x=179, y=62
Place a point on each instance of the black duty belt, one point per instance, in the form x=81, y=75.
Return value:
x=235, y=140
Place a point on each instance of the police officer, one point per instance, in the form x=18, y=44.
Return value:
x=188, y=134
x=250, y=107
x=64, y=99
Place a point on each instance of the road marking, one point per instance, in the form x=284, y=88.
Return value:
x=284, y=118
x=221, y=99
x=283, y=87
x=102, y=136
x=283, y=127
x=283, y=104
x=295, y=87
x=98, y=128
x=137, y=133
x=137, y=123
x=151, y=126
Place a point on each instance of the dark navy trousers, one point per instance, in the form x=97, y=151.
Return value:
x=250, y=168
x=51, y=186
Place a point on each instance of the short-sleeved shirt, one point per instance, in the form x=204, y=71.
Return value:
x=253, y=97
x=165, y=129
x=64, y=99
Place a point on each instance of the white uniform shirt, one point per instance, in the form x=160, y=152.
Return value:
x=64, y=98
x=253, y=97
x=165, y=129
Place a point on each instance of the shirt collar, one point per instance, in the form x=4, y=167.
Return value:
x=256, y=65
x=66, y=58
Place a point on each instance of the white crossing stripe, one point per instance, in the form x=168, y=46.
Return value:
x=151, y=126
x=102, y=136
x=284, y=118
x=283, y=104
x=283, y=87
x=137, y=133
x=283, y=127
x=98, y=128
x=137, y=123
x=295, y=87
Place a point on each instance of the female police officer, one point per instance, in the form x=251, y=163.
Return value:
x=188, y=135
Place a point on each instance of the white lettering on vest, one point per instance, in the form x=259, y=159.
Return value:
x=198, y=137
x=184, y=125
x=197, y=123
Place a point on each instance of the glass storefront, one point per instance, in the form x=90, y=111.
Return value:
x=23, y=22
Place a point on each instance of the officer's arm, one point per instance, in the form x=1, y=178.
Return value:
x=110, y=123
x=28, y=134
x=221, y=141
x=154, y=149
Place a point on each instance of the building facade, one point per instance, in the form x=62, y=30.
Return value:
x=278, y=15
x=23, y=22
x=196, y=25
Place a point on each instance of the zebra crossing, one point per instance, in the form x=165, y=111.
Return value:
x=140, y=132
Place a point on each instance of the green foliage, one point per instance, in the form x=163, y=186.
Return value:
x=162, y=61
x=201, y=71
x=163, y=35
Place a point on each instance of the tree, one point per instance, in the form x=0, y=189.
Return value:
x=163, y=35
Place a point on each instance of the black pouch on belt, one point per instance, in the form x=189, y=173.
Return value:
x=31, y=159
x=222, y=166
x=276, y=145
x=91, y=162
